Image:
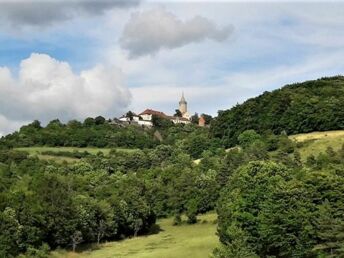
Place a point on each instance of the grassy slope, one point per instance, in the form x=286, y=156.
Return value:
x=316, y=142
x=38, y=150
x=183, y=241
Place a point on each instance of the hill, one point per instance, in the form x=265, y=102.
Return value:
x=294, y=109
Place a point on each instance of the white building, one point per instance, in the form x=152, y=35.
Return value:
x=145, y=118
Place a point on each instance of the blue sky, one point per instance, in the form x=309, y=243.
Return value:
x=82, y=60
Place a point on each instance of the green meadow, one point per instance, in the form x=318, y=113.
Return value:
x=39, y=152
x=317, y=142
x=184, y=241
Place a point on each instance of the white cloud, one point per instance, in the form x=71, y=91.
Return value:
x=149, y=31
x=8, y=125
x=47, y=88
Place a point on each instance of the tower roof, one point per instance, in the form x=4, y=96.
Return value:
x=182, y=100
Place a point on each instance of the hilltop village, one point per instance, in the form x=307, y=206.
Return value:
x=145, y=118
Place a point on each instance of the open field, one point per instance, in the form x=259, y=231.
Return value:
x=37, y=151
x=316, y=142
x=185, y=241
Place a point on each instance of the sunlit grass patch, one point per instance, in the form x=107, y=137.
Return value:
x=317, y=142
x=182, y=241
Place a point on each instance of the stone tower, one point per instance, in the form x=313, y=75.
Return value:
x=183, y=105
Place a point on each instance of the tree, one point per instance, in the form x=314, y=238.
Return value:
x=36, y=124
x=260, y=201
x=207, y=118
x=54, y=124
x=195, y=119
x=137, y=226
x=161, y=122
x=10, y=233
x=76, y=239
x=330, y=232
x=99, y=120
x=248, y=137
x=237, y=248
x=130, y=115
x=178, y=113
x=88, y=122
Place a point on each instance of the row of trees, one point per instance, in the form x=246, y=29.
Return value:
x=96, y=132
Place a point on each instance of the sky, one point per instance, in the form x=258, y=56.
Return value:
x=79, y=58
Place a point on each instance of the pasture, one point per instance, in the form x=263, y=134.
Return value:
x=317, y=142
x=182, y=241
x=39, y=152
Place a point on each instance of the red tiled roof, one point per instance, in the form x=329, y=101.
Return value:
x=153, y=112
x=162, y=114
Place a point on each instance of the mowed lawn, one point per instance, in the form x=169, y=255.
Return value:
x=185, y=241
x=317, y=142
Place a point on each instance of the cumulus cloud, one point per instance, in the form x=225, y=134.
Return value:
x=149, y=31
x=41, y=13
x=47, y=88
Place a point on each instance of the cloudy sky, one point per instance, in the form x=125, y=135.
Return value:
x=79, y=58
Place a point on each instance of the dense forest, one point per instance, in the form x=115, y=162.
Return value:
x=298, y=108
x=270, y=202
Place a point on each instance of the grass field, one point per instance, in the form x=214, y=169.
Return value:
x=37, y=151
x=316, y=142
x=185, y=241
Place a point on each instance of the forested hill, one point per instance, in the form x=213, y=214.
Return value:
x=297, y=108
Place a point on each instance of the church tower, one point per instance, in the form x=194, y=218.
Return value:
x=183, y=107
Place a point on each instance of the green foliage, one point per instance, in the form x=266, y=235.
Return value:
x=330, y=232
x=283, y=212
x=298, y=108
x=207, y=118
x=94, y=132
x=160, y=122
x=248, y=137
x=194, y=119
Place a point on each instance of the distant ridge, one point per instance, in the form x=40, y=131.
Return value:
x=316, y=105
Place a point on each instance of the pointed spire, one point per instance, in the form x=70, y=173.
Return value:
x=182, y=99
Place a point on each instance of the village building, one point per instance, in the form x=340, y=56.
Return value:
x=201, y=121
x=145, y=118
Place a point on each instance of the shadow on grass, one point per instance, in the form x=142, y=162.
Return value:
x=154, y=229
x=89, y=247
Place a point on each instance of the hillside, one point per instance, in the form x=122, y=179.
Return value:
x=316, y=142
x=297, y=108
x=125, y=184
